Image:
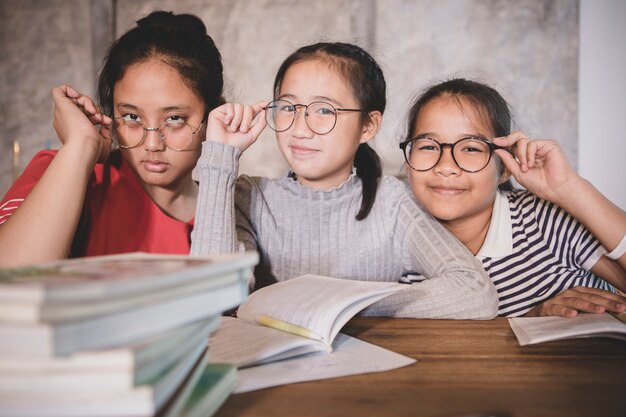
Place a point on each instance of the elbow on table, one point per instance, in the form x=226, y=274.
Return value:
x=485, y=303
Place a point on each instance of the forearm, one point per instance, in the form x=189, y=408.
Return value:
x=601, y=217
x=456, y=285
x=214, y=225
x=460, y=294
x=43, y=226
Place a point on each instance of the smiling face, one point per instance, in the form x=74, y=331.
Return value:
x=153, y=92
x=450, y=194
x=321, y=161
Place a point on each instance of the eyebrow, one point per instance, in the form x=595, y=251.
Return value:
x=462, y=136
x=129, y=106
x=315, y=98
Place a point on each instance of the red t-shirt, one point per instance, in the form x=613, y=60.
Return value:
x=118, y=215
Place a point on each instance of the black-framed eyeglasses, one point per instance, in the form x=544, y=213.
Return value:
x=175, y=133
x=320, y=116
x=471, y=154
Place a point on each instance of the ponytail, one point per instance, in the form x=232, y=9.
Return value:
x=369, y=170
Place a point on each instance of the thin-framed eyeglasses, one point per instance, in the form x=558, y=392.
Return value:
x=320, y=116
x=471, y=154
x=175, y=133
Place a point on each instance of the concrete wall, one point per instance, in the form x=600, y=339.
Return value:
x=528, y=49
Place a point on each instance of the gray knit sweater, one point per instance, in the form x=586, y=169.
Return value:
x=298, y=230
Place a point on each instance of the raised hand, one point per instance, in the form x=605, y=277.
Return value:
x=236, y=124
x=541, y=166
x=580, y=299
x=76, y=120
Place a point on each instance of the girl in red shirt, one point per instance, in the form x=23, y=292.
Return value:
x=158, y=83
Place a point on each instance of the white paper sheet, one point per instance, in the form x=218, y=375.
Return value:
x=351, y=356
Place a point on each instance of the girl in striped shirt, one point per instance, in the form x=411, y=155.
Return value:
x=543, y=248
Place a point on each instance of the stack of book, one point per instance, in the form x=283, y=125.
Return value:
x=122, y=335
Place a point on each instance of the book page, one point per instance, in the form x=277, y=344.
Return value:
x=315, y=302
x=529, y=330
x=350, y=356
x=243, y=343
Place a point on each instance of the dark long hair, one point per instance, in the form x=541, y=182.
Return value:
x=180, y=41
x=368, y=85
x=485, y=100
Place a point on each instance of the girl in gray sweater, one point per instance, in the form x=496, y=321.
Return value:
x=334, y=214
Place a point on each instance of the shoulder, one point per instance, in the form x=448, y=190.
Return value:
x=40, y=162
x=397, y=198
x=527, y=206
x=255, y=188
x=33, y=171
x=392, y=186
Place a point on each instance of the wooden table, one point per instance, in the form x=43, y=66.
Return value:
x=464, y=368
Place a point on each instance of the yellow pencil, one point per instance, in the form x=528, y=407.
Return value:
x=288, y=327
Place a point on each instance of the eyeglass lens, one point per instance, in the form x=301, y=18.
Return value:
x=470, y=154
x=320, y=116
x=176, y=134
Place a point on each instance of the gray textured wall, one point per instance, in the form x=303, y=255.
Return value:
x=528, y=49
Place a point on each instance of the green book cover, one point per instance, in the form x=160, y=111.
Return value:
x=205, y=391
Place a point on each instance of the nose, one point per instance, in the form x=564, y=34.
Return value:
x=446, y=165
x=153, y=142
x=301, y=128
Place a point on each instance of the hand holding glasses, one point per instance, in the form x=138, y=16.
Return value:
x=320, y=116
x=471, y=154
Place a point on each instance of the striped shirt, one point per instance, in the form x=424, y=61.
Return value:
x=533, y=251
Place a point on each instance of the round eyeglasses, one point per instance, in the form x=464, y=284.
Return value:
x=320, y=117
x=471, y=154
x=175, y=133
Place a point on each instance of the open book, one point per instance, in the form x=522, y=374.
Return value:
x=530, y=330
x=293, y=317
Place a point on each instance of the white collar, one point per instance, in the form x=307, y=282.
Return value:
x=499, y=239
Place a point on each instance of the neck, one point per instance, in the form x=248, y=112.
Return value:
x=471, y=231
x=327, y=183
x=178, y=202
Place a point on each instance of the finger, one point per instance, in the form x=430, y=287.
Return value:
x=599, y=292
x=509, y=140
x=225, y=113
x=552, y=309
x=88, y=104
x=259, y=106
x=246, y=120
x=106, y=120
x=531, y=153
x=510, y=163
x=105, y=131
x=71, y=92
x=235, y=123
x=521, y=152
x=258, y=124
x=582, y=304
x=609, y=301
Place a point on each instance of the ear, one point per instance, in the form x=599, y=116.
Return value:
x=371, y=126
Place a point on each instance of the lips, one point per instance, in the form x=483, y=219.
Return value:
x=155, y=166
x=446, y=190
x=302, y=150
